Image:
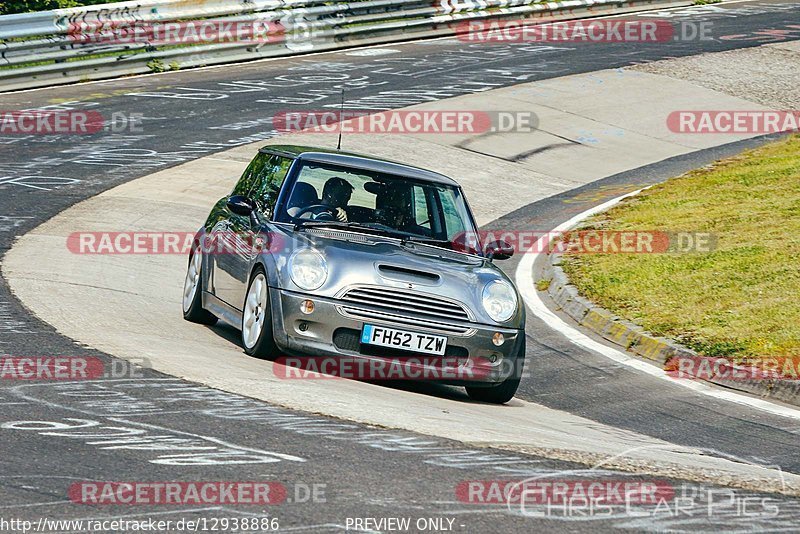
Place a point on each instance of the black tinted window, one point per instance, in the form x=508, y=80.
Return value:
x=390, y=203
x=262, y=180
x=246, y=182
x=271, y=175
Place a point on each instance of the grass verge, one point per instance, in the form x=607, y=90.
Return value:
x=741, y=300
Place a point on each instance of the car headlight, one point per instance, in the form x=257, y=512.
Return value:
x=499, y=300
x=308, y=269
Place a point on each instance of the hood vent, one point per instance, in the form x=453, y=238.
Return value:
x=404, y=274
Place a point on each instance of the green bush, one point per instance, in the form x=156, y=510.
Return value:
x=156, y=65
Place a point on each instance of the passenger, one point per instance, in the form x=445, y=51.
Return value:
x=394, y=207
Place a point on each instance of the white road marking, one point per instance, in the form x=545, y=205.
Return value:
x=220, y=442
x=33, y=505
x=323, y=52
x=524, y=280
x=373, y=52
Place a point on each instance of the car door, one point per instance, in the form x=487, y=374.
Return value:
x=264, y=177
x=226, y=242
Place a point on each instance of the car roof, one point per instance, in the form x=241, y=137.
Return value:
x=357, y=161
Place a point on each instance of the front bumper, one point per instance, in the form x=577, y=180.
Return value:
x=328, y=331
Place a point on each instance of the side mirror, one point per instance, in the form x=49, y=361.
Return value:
x=499, y=250
x=241, y=205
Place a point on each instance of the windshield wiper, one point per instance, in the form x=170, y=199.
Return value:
x=394, y=232
x=432, y=242
x=315, y=224
x=404, y=237
x=375, y=227
x=352, y=226
x=425, y=240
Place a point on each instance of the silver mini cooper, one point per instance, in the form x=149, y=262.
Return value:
x=323, y=255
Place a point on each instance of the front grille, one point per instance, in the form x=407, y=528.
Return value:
x=348, y=339
x=393, y=300
x=365, y=315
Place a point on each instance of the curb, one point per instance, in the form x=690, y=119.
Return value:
x=634, y=339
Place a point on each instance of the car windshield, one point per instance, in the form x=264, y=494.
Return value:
x=379, y=203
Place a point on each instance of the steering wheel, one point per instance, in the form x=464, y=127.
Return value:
x=320, y=212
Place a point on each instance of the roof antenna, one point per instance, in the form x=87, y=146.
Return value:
x=341, y=116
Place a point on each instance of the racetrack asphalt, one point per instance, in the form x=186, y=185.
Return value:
x=367, y=473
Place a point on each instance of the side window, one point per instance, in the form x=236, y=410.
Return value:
x=421, y=214
x=246, y=182
x=452, y=220
x=271, y=173
x=262, y=180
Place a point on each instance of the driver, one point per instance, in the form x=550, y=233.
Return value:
x=336, y=194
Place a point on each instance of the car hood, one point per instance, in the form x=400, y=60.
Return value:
x=362, y=259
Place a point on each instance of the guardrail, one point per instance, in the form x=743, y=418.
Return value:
x=96, y=42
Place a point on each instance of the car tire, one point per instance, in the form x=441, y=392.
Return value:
x=505, y=390
x=193, y=310
x=257, y=336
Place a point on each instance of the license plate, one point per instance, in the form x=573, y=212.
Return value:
x=403, y=340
